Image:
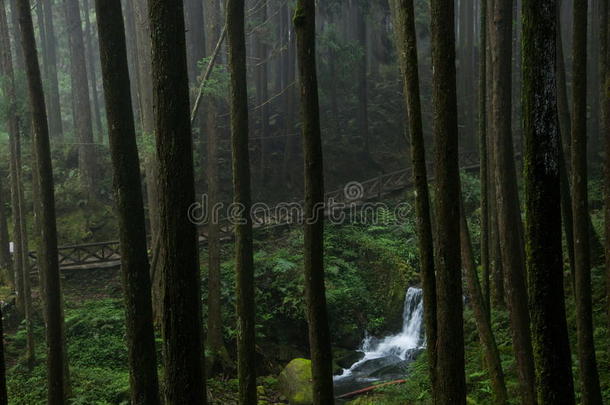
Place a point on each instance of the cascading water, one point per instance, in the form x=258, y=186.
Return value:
x=387, y=358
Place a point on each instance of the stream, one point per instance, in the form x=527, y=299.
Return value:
x=386, y=359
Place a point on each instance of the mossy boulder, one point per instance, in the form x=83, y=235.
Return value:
x=295, y=382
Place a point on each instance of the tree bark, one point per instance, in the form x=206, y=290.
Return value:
x=591, y=393
x=90, y=56
x=145, y=97
x=130, y=204
x=510, y=229
x=48, y=262
x=219, y=357
x=481, y=314
x=315, y=293
x=244, y=262
x=450, y=338
x=3, y=390
x=551, y=346
x=406, y=45
x=183, y=347
x=484, y=166
x=55, y=122
x=12, y=123
x=80, y=95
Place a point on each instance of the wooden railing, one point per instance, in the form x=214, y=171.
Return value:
x=107, y=254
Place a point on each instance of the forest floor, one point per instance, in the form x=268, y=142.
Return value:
x=362, y=261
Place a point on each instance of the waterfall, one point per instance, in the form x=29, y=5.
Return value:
x=393, y=350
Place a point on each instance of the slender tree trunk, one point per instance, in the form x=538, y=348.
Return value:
x=484, y=170
x=497, y=294
x=362, y=84
x=5, y=255
x=195, y=36
x=55, y=123
x=450, y=338
x=591, y=393
x=18, y=51
x=551, y=346
x=481, y=314
x=219, y=356
x=182, y=323
x=606, y=136
x=315, y=294
x=3, y=390
x=12, y=121
x=145, y=97
x=48, y=262
x=507, y=198
x=564, y=150
x=244, y=266
x=130, y=204
x=132, y=57
x=90, y=56
x=406, y=45
x=80, y=95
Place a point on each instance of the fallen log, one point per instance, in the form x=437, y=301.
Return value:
x=369, y=389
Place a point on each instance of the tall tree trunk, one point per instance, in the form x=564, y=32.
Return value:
x=195, y=36
x=132, y=58
x=481, y=314
x=551, y=346
x=55, y=123
x=564, y=150
x=315, y=293
x=497, y=295
x=219, y=357
x=48, y=262
x=262, y=91
x=362, y=83
x=606, y=136
x=244, y=262
x=90, y=56
x=80, y=95
x=484, y=165
x=18, y=50
x=5, y=255
x=591, y=393
x=145, y=96
x=12, y=123
x=182, y=324
x=510, y=230
x=406, y=45
x=450, y=338
x=130, y=204
x=3, y=390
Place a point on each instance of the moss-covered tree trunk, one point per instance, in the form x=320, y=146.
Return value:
x=130, y=205
x=484, y=165
x=182, y=318
x=542, y=159
x=12, y=126
x=3, y=390
x=606, y=136
x=510, y=228
x=48, y=262
x=481, y=314
x=450, y=338
x=406, y=46
x=315, y=291
x=244, y=263
x=589, y=377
